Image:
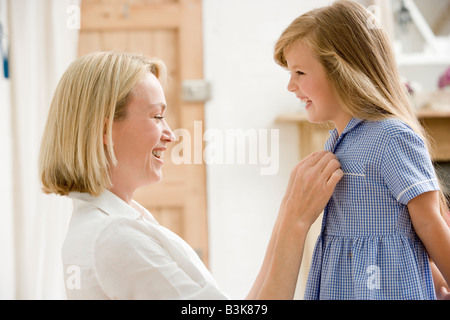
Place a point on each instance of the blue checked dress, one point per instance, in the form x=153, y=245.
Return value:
x=368, y=248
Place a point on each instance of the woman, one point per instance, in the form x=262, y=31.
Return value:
x=105, y=137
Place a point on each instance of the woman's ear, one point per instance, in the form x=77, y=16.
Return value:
x=107, y=134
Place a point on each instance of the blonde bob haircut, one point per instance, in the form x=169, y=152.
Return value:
x=358, y=60
x=92, y=93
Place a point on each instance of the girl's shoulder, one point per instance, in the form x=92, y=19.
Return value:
x=378, y=137
x=388, y=128
x=390, y=125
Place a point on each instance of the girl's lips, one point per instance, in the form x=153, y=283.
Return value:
x=305, y=102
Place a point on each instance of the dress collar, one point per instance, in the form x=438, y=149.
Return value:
x=335, y=138
x=353, y=123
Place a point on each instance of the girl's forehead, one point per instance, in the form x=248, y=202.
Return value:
x=299, y=55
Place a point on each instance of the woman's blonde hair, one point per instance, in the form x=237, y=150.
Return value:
x=358, y=61
x=92, y=93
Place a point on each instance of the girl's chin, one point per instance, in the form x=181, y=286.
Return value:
x=312, y=118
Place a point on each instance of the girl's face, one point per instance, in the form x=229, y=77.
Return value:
x=309, y=83
x=140, y=139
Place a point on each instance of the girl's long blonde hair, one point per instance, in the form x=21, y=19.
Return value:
x=92, y=93
x=359, y=63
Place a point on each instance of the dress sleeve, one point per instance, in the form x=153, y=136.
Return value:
x=130, y=264
x=406, y=166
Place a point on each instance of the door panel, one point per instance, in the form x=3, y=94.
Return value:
x=170, y=30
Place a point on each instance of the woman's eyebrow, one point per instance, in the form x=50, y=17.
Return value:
x=158, y=105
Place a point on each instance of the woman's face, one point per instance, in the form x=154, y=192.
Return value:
x=309, y=83
x=139, y=140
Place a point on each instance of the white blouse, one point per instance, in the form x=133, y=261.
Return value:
x=117, y=251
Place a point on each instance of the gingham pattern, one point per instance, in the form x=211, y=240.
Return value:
x=368, y=248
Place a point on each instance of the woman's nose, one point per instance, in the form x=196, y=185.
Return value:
x=168, y=135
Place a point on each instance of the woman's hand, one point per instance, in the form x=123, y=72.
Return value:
x=311, y=183
x=441, y=287
x=443, y=294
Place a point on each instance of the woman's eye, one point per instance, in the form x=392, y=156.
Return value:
x=159, y=117
x=299, y=73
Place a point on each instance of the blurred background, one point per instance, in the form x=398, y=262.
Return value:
x=223, y=80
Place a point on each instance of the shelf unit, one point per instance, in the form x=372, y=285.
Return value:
x=312, y=137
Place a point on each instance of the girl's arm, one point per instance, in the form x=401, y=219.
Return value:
x=432, y=229
x=310, y=186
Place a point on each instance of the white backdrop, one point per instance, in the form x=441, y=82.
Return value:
x=248, y=92
x=32, y=225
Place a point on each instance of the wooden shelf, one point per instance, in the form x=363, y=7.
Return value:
x=430, y=113
x=423, y=114
x=313, y=136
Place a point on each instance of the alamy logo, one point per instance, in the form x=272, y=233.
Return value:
x=73, y=278
x=374, y=20
x=373, y=281
x=74, y=16
x=232, y=146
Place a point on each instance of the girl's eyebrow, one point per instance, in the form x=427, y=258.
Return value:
x=295, y=66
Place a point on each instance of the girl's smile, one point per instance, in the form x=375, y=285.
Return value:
x=306, y=102
x=310, y=84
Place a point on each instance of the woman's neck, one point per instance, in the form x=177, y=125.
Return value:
x=125, y=194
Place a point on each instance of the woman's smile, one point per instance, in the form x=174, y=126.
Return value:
x=158, y=154
x=140, y=139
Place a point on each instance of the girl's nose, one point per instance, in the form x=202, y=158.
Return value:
x=291, y=86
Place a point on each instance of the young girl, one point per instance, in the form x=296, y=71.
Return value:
x=384, y=219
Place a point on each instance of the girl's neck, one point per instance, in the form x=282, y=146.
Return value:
x=341, y=122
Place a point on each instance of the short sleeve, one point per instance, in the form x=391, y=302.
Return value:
x=130, y=264
x=406, y=166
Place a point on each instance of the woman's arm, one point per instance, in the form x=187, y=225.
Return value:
x=432, y=229
x=311, y=183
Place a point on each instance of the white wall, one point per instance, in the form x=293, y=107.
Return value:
x=6, y=231
x=248, y=92
x=32, y=225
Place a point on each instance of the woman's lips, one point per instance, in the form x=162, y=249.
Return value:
x=158, y=153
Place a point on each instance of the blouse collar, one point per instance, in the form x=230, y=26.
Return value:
x=110, y=204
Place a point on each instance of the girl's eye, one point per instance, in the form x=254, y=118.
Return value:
x=299, y=73
x=159, y=117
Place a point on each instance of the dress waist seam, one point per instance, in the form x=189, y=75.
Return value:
x=359, y=236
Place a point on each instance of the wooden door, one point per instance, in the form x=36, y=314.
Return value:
x=172, y=31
